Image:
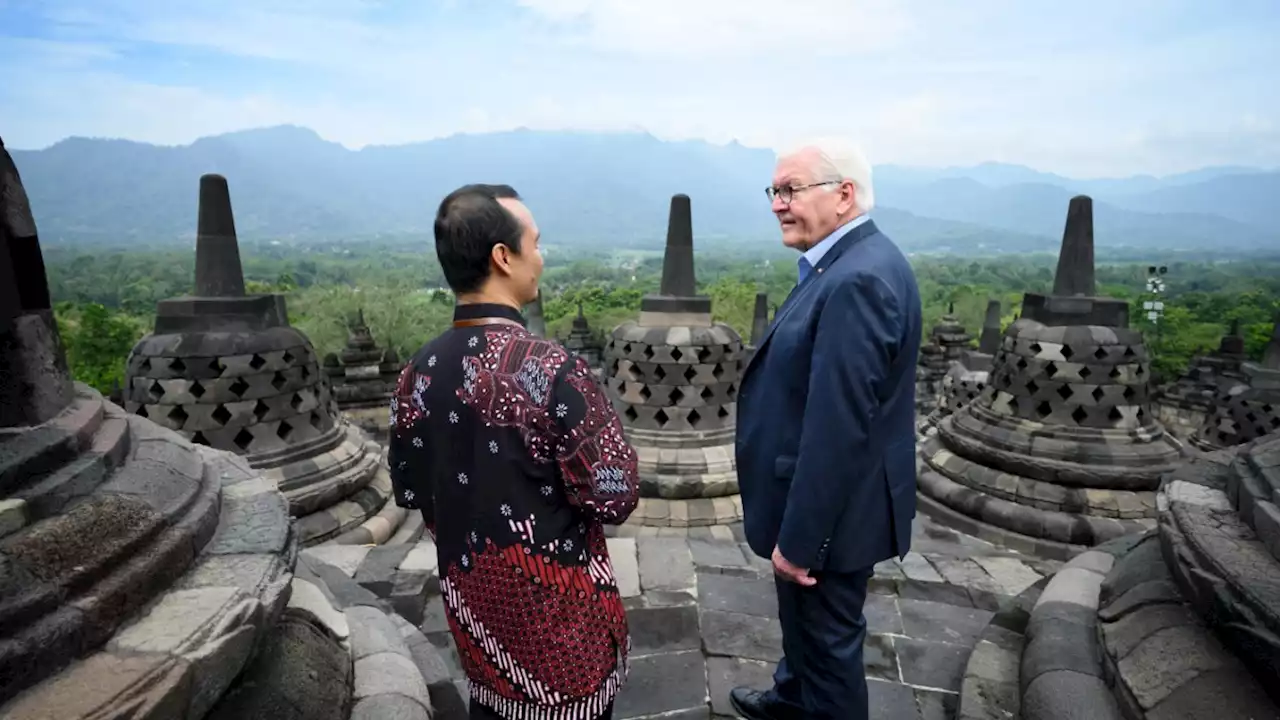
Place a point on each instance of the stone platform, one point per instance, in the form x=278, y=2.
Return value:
x=703, y=615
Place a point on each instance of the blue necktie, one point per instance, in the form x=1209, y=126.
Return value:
x=805, y=269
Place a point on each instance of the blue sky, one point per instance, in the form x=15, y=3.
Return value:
x=1083, y=88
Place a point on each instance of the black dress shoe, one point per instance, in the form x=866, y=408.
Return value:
x=755, y=705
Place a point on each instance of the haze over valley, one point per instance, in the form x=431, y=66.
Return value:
x=594, y=188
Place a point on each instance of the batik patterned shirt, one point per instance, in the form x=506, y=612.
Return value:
x=515, y=456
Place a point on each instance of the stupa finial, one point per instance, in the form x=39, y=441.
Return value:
x=218, y=270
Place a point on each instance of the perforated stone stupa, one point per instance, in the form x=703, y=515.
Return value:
x=226, y=370
x=947, y=341
x=1249, y=410
x=965, y=377
x=363, y=379
x=1061, y=450
x=138, y=572
x=1185, y=405
x=583, y=341
x=673, y=375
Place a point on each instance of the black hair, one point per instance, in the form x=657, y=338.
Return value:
x=469, y=223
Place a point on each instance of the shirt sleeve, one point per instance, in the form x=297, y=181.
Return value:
x=407, y=450
x=597, y=464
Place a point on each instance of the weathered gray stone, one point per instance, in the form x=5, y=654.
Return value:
x=931, y=664
x=372, y=632
x=752, y=596
x=389, y=707
x=717, y=555
x=664, y=629
x=1125, y=634
x=308, y=598
x=746, y=636
x=1065, y=695
x=666, y=565
x=916, y=567
x=346, y=558
x=1073, y=585
x=937, y=622
x=389, y=673
x=1168, y=659
x=626, y=570
x=251, y=520
x=663, y=684
x=726, y=673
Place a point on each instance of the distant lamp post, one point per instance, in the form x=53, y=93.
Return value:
x=1155, y=305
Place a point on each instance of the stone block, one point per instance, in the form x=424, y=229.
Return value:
x=346, y=558
x=663, y=629
x=253, y=520
x=726, y=673
x=751, y=596
x=1125, y=634
x=109, y=685
x=1012, y=575
x=389, y=673
x=626, y=570
x=389, y=707
x=916, y=567
x=378, y=571
x=423, y=557
x=1065, y=695
x=931, y=664
x=666, y=566
x=183, y=620
x=717, y=555
x=1168, y=659
x=660, y=684
x=1073, y=585
x=739, y=635
x=307, y=597
x=13, y=516
x=943, y=623
x=372, y=632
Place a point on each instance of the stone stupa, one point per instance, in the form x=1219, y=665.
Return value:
x=947, y=341
x=1185, y=405
x=967, y=377
x=673, y=376
x=363, y=379
x=582, y=341
x=1249, y=410
x=138, y=572
x=226, y=370
x=1061, y=451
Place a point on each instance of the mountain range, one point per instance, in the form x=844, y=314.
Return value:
x=589, y=188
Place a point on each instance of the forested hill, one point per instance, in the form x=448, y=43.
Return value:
x=590, y=188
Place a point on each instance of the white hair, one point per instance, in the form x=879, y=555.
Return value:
x=840, y=159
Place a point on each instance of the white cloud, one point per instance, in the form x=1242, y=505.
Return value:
x=920, y=81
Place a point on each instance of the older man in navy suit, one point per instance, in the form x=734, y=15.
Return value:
x=826, y=431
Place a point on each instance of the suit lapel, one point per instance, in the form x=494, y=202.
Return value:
x=842, y=245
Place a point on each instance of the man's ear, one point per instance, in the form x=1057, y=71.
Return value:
x=500, y=256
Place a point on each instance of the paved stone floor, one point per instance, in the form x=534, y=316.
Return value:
x=703, y=618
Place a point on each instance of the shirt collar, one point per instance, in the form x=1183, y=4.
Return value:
x=814, y=255
x=484, y=310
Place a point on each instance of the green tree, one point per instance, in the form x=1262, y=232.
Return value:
x=98, y=342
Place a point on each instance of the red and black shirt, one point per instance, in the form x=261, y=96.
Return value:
x=514, y=454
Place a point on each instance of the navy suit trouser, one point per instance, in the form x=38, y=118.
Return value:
x=821, y=675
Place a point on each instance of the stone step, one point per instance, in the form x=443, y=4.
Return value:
x=132, y=545
x=349, y=512
x=314, y=484
x=107, y=449
x=29, y=454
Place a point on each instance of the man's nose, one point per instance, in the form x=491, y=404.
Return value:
x=779, y=206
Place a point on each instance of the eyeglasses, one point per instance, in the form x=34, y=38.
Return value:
x=785, y=192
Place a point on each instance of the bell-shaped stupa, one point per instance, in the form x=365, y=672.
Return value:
x=363, y=378
x=226, y=370
x=1062, y=450
x=673, y=375
x=1250, y=409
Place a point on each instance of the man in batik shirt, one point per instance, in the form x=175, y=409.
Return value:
x=517, y=460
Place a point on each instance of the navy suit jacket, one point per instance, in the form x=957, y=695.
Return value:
x=826, y=438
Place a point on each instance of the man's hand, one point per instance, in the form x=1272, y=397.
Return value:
x=790, y=572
